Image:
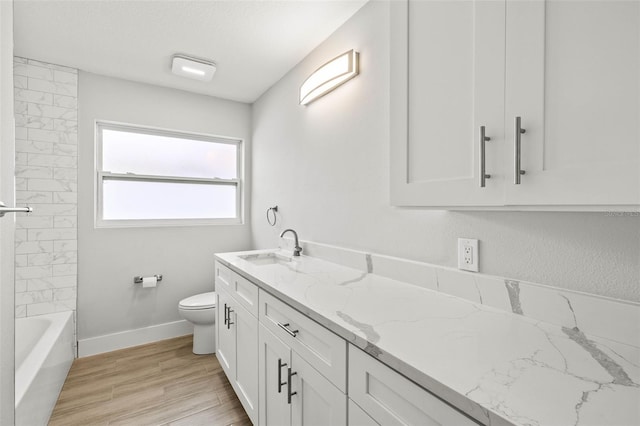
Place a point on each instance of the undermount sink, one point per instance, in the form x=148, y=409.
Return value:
x=266, y=259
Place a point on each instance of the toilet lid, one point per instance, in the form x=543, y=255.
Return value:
x=199, y=301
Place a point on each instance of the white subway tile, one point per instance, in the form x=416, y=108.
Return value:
x=52, y=160
x=20, y=82
x=52, y=111
x=51, y=234
x=21, y=286
x=66, y=77
x=45, y=135
x=65, y=197
x=26, y=247
x=58, y=185
x=68, y=293
x=55, y=258
x=22, y=159
x=55, y=87
x=64, y=173
x=65, y=222
x=65, y=101
x=20, y=235
x=32, y=122
x=56, y=209
x=33, y=197
x=36, y=172
x=33, y=96
x=65, y=149
x=34, y=147
x=66, y=269
x=35, y=71
x=27, y=272
x=51, y=66
x=21, y=261
x=52, y=282
x=34, y=222
x=65, y=245
x=21, y=311
x=35, y=309
x=28, y=297
x=21, y=133
x=19, y=107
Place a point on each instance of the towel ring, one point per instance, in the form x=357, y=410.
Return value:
x=273, y=209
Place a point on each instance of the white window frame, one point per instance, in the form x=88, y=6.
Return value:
x=102, y=175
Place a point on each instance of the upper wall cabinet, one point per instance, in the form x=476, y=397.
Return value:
x=532, y=104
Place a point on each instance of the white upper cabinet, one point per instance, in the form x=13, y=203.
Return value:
x=569, y=69
x=573, y=77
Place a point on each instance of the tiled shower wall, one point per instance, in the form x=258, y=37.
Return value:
x=46, y=113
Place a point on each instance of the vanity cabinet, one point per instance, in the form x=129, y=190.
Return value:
x=237, y=336
x=292, y=391
x=462, y=72
x=387, y=398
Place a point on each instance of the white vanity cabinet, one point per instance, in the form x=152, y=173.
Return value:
x=292, y=392
x=237, y=336
x=569, y=70
x=387, y=398
x=302, y=368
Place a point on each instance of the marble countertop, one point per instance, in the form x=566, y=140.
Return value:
x=499, y=368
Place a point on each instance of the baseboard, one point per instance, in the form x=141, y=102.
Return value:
x=129, y=338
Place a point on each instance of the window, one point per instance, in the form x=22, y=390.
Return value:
x=159, y=177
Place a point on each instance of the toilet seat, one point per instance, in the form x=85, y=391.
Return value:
x=199, y=301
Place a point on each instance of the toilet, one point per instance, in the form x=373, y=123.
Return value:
x=200, y=310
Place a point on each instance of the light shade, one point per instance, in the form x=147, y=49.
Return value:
x=197, y=69
x=329, y=76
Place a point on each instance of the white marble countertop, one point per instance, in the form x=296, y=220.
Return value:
x=497, y=367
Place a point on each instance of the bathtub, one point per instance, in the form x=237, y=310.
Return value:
x=44, y=353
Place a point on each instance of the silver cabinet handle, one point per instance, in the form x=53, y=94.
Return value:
x=229, y=322
x=225, y=314
x=483, y=165
x=289, y=393
x=517, y=152
x=4, y=209
x=291, y=333
x=280, y=382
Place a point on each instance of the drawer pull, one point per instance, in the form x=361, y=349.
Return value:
x=291, y=333
x=229, y=323
x=517, y=151
x=280, y=382
x=289, y=393
x=483, y=171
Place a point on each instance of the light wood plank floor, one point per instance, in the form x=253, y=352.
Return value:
x=162, y=383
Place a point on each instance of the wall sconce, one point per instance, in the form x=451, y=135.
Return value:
x=329, y=76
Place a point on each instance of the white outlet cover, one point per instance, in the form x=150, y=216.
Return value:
x=468, y=261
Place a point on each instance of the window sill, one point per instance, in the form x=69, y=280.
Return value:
x=162, y=223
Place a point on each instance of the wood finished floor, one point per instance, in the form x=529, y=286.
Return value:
x=162, y=383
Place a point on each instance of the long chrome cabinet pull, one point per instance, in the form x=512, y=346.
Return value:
x=225, y=314
x=291, y=333
x=289, y=393
x=517, y=152
x=229, y=323
x=280, y=382
x=483, y=164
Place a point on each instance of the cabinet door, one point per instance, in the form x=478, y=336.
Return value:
x=573, y=77
x=246, y=369
x=274, y=359
x=226, y=350
x=447, y=80
x=316, y=400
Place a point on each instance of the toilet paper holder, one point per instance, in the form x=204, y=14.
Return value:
x=138, y=279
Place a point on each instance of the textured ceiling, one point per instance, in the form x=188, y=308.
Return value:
x=254, y=43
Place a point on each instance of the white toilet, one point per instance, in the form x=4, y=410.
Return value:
x=201, y=311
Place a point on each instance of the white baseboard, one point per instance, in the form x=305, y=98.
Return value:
x=129, y=338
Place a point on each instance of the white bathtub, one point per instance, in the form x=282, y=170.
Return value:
x=44, y=353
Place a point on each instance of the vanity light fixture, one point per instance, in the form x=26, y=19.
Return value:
x=329, y=76
x=197, y=69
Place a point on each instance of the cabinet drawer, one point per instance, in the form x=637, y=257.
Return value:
x=391, y=399
x=239, y=288
x=357, y=416
x=325, y=351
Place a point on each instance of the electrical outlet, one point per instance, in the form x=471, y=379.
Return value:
x=468, y=254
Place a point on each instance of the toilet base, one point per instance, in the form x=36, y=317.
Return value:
x=204, y=339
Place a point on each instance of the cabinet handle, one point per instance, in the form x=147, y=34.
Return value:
x=291, y=333
x=280, y=382
x=483, y=165
x=225, y=314
x=229, y=322
x=289, y=393
x=517, y=152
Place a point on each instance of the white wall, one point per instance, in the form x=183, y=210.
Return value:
x=327, y=168
x=108, y=301
x=46, y=115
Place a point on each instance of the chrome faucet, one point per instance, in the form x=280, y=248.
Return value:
x=297, y=249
